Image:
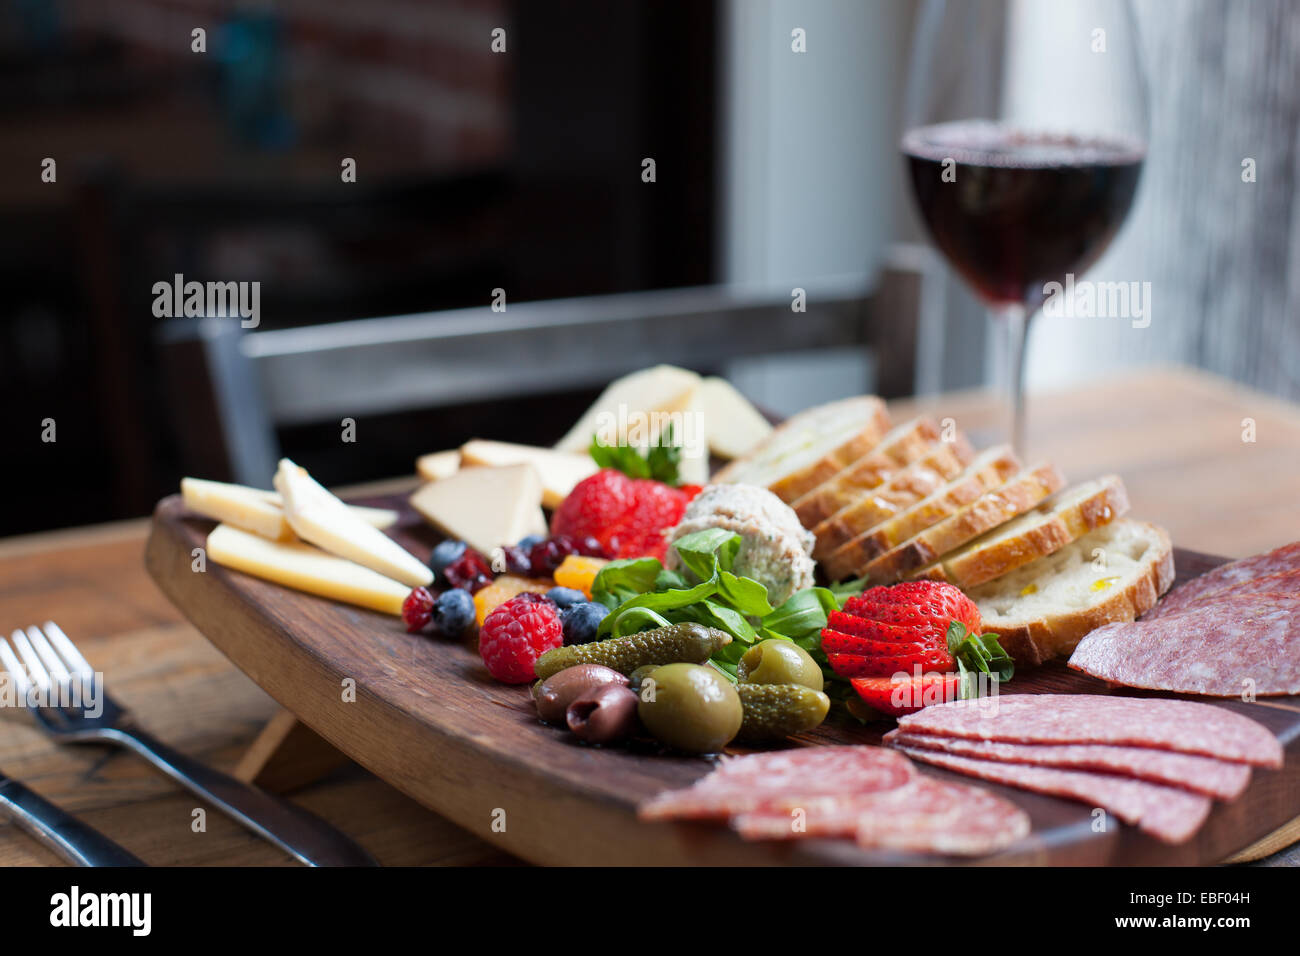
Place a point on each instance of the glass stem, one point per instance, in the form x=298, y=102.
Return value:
x=1015, y=319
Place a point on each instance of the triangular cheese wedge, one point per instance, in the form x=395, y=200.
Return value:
x=323, y=520
x=237, y=505
x=559, y=470
x=438, y=465
x=662, y=388
x=485, y=507
x=735, y=427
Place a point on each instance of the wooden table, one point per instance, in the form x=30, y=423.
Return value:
x=1174, y=435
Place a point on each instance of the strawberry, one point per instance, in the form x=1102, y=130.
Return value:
x=907, y=695
x=628, y=516
x=885, y=630
x=858, y=665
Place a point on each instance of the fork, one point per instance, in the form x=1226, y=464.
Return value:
x=66, y=681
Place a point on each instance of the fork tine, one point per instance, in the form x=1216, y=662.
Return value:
x=14, y=667
x=34, y=666
x=68, y=651
x=53, y=664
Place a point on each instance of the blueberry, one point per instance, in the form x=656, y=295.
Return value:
x=444, y=553
x=453, y=612
x=529, y=541
x=565, y=597
x=580, y=622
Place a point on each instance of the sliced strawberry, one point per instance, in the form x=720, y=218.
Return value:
x=885, y=633
x=858, y=665
x=837, y=642
x=906, y=696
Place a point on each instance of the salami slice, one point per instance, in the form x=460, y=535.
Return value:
x=1235, y=644
x=1167, y=813
x=924, y=816
x=1183, y=726
x=1279, y=586
x=781, y=780
x=1285, y=558
x=1203, y=775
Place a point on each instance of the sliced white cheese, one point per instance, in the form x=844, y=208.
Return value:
x=237, y=505
x=318, y=517
x=660, y=389
x=300, y=566
x=486, y=507
x=438, y=465
x=559, y=470
x=734, y=425
x=379, y=517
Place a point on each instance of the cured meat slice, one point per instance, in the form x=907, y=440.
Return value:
x=1285, y=558
x=1279, y=586
x=924, y=816
x=1180, y=725
x=1236, y=644
x=1167, y=813
x=1203, y=775
x=781, y=780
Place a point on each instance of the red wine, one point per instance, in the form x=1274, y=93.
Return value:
x=1020, y=209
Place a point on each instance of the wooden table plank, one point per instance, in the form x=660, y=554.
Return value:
x=1174, y=435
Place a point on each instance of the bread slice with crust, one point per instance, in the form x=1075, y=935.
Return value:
x=901, y=446
x=1017, y=495
x=811, y=447
x=943, y=462
x=1043, y=609
x=1062, y=518
x=987, y=471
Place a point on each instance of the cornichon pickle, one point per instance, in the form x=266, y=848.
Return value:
x=677, y=643
x=773, y=711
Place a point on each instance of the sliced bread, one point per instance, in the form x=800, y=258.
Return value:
x=1062, y=518
x=989, y=470
x=811, y=447
x=1043, y=609
x=901, y=446
x=944, y=462
x=1018, y=494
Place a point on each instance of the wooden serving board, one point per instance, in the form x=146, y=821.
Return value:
x=428, y=719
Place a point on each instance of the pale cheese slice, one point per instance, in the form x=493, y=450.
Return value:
x=236, y=505
x=559, y=470
x=735, y=427
x=627, y=401
x=486, y=507
x=323, y=520
x=304, y=568
x=438, y=465
x=381, y=518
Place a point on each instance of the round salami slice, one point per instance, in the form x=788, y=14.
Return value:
x=1285, y=558
x=1180, y=725
x=781, y=780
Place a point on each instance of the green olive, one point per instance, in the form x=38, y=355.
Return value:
x=690, y=707
x=779, y=662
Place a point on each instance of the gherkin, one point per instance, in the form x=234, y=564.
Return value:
x=773, y=711
x=677, y=643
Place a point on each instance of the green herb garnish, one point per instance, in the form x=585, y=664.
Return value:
x=661, y=461
x=977, y=653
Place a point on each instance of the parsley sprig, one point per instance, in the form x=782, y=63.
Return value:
x=661, y=461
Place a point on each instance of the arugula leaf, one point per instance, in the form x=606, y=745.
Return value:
x=635, y=619
x=731, y=621
x=803, y=612
x=748, y=596
x=704, y=552
x=661, y=601
x=624, y=579
x=670, y=579
x=662, y=460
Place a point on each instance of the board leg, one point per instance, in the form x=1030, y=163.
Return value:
x=286, y=755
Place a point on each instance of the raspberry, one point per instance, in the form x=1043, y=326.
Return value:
x=516, y=634
x=417, y=610
x=467, y=569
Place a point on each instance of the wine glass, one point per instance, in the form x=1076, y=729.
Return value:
x=1025, y=130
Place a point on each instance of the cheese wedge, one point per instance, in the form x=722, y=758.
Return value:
x=237, y=505
x=659, y=389
x=438, y=465
x=559, y=470
x=735, y=427
x=258, y=510
x=321, y=519
x=485, y=507
x=304, y=568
